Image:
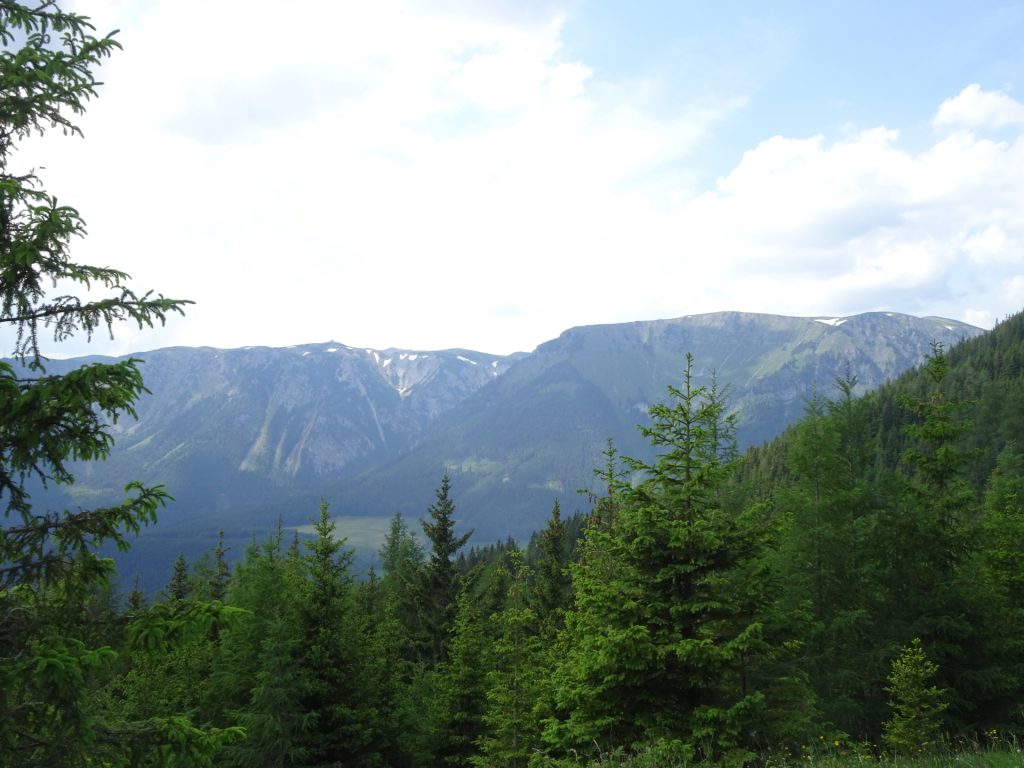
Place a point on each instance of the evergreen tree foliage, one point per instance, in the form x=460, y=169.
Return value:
x=937, y=460
x=825, y=560
x=461, y=687
x=221, y=576
x=164, y=667
x=659, y=649
x=401, y=558
x=718, y=606
x=136, y=598
x=401, y=678
x=917, y=706
x=259, y=681
x=332, y=660
x=515, y=684
x=1002, y=529
x=295, y=670
x=551, y=589
x=401, y=552
x=927, y=539
x=178, y=587
x=209, y=575
x=55, y=661
x=439, y=587
x=395, y=681
x=47, y=420
x=997, y=576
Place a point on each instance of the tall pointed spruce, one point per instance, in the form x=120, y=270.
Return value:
x=332, y=658
x=659, y=645
x=551, y=586
x=401, y=558
x=440, y=581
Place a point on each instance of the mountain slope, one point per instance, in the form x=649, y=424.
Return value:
x=537, y=432
x=229, y=429
x=244, y=436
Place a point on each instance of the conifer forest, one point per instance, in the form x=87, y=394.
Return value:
x=857, y=582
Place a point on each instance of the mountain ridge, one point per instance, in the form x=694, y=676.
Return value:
x=596, y=382
x=242, y=436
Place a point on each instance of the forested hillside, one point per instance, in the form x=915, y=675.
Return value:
x=858, y=581
x=536, y=432
x=243, y=436
x=858, y=578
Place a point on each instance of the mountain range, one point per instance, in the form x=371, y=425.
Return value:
x=243, y=436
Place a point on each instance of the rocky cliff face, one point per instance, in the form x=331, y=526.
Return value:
x=228, y=425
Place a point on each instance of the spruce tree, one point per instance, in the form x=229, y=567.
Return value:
x=439, y=584
x=928, y=541
x=997, y=574
x=136, y=598
x=404, y=682
x=551, y=587
x=659, y=647
x=46, y=420
x=917, y=705
x=332, y=659
x=258, y=679
x=826, y=561
x=221, y=576
x=50, y=566
x=401, y=552
x=515, y=684
x=178, y=587
x=461, y=687
x=401, y=558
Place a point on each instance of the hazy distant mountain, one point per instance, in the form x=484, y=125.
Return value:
x=233, y=429
x=242, y=436
x=538, y=431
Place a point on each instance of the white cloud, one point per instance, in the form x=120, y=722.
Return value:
x=974, y=108
x=387, y=175
x=804, y=226
x=991, y=245
x=982, y=318
x=375, y=173
x=1013, y=290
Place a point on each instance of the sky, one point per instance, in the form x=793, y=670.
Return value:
x=484, y=175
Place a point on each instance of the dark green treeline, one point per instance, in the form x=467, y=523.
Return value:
x=860, y=578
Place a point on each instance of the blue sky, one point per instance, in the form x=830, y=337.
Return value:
x=804, y=68
x=487, y=174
